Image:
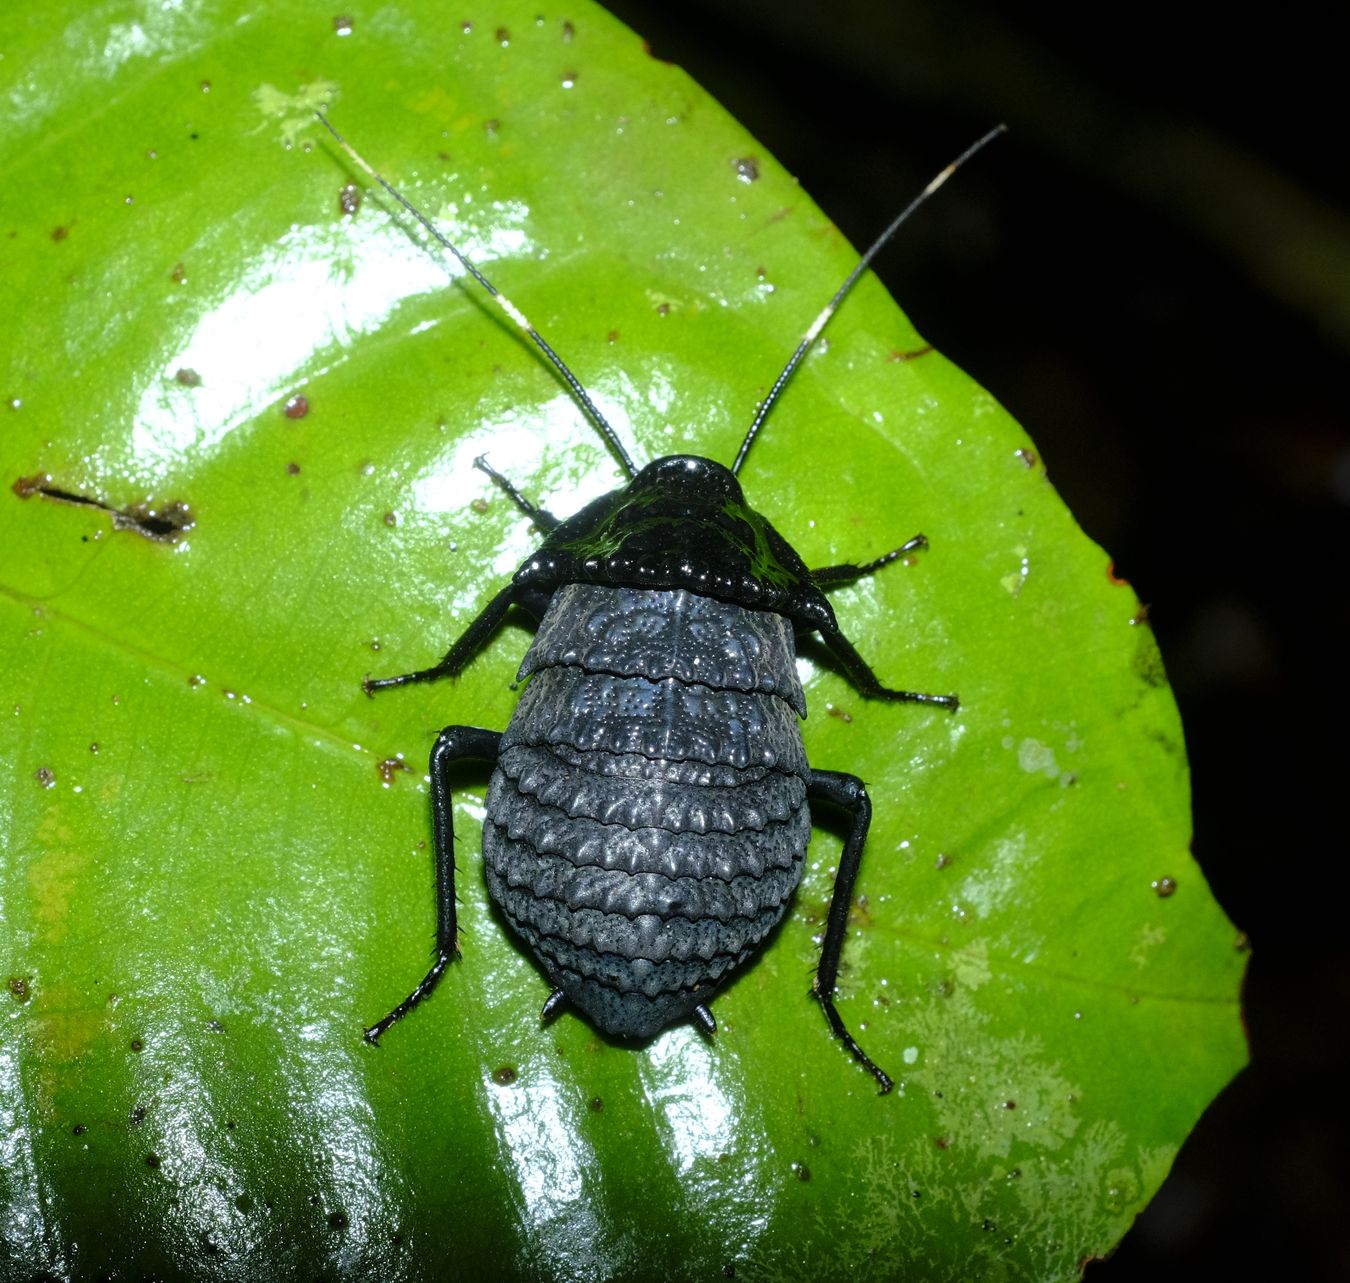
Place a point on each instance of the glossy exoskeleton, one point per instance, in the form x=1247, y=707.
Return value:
x=648, y=813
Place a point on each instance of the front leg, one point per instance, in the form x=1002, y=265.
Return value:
x=453, y=743
x=847, y=572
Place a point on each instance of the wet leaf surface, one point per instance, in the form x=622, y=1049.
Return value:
x=216, y=868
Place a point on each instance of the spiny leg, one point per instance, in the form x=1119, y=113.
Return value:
x=452, y=744
x=457, y=658
x=856, y=668
x=864, y=680
x=847, y=572
x=541, y=517
x=849, y=793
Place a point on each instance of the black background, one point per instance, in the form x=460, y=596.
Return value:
x=1152, y=272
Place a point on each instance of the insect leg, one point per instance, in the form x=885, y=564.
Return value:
x=849, y=793
x=542, y=518
x=847, y=571
x=453, y=743
x=864, y=680
x=457, y=658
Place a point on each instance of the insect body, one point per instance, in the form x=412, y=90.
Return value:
x=648, y=814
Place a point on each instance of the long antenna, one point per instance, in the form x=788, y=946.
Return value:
x=833, y=305
x=517, y=316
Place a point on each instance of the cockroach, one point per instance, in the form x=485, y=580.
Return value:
x=648, y=814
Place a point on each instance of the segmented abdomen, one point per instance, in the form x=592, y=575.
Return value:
x=647, y=820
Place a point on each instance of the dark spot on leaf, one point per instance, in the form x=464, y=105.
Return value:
x=569, y=79
x=1147, y=662
x=801, y=1171
x=839, y=713
x=503, y=36
x=504, y=1075
x=390, y=767
x=188, y=377
x=60, y=233
x=179, y=274
x=942, y=861
x=78, y=1130
x=987, y=1225
x=391, y=518
x=663, y=309
x=1164, y=887
x=137, y=1116
x=612, y=336
x=206, y=89
x=490, y=127
x=746, y=167
x=152, y=1161
x=293, y=469
x=349, y=199
x=137, y=1045
x=1027, y=456
x=337, y=1220
x=913, y=354
x=296, y=407
x=941, y=1142
x=163, y=523
x=568, y=31
x=1140, y=616
x=18, y=987
x=243, y=1203
x=342, y=25
x=466, y=27
x=215, y=1027
x=1009, y=1104
x=45, y=776
x=1242, y=943
x=479, y=506
x=597, y=1105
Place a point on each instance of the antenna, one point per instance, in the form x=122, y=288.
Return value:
x=517, y=316
x=833, y=305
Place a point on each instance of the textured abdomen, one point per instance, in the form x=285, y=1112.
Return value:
x=647, y=820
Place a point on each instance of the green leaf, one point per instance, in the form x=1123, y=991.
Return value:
x=216, y=865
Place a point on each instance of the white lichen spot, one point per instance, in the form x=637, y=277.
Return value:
x=1014, y=581
x=1150, y=937
x=910, y=1055
x=970, y=964
x=1036, y=758
x=294, y=111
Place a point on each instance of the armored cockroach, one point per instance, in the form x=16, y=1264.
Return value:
x=648, y=813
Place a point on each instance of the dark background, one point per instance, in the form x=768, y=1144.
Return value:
x=1152, y=272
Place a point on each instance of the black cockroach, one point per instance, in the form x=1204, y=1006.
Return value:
x=648, y=813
